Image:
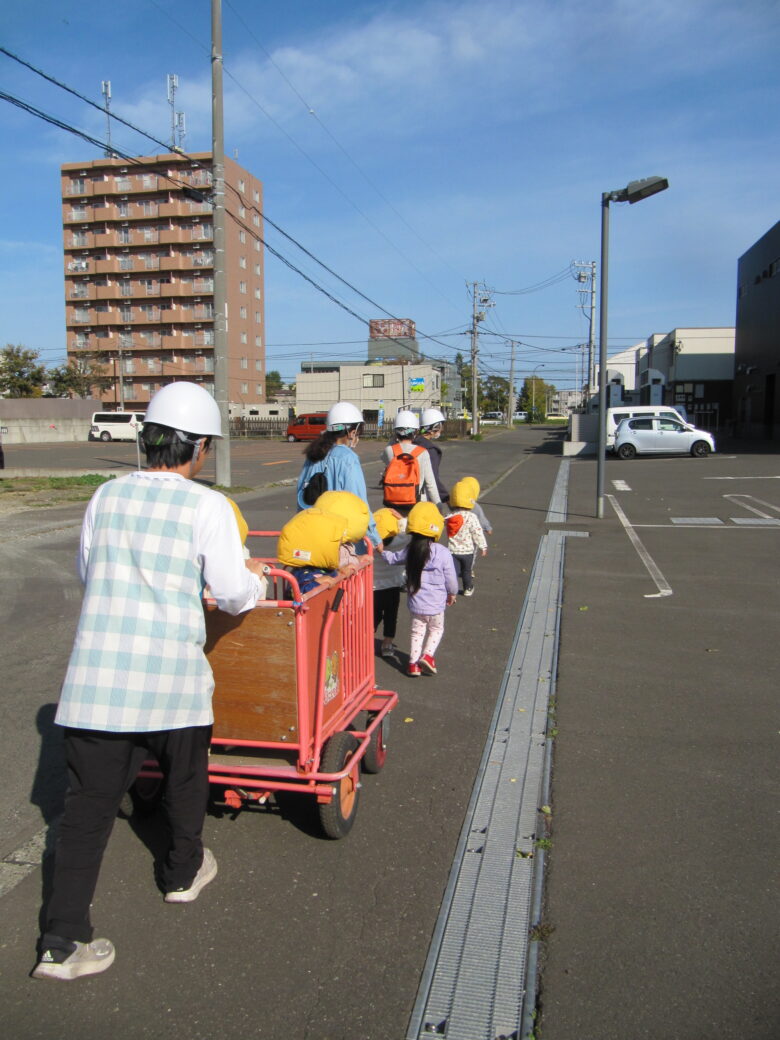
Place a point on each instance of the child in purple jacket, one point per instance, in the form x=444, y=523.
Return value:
x=431, y=584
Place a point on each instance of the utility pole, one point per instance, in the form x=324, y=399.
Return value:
x=221, y=391
x=511, y=401
x=583, y=277
x=474, y=356
x=105, y=90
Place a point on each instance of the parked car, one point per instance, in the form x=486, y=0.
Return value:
x=520, y=416
x=651, y=435
x=556, y=417
x=116, y=426
x=306, y=427
x=492, y=419
x=632, y=411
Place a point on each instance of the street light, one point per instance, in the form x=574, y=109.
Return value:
x=633, y=192
x=533, y=392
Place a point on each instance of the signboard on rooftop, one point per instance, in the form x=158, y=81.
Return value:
x=391, y=328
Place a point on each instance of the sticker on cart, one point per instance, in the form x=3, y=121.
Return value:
x=332, y=677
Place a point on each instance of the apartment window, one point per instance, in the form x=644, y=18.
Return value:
x=257, y=294
x=242, y=287
x=241, y=186
x=242, y=261
x=79, y=292
x=128, y=364
x=373, y=379
x=125, y=312
x=243, y=337
x=125, y=339
x=259, y=389
x=257, y=269
x=123, y=208
x=242, y=211
x=242, y=236
x=258, y=364
x=208, y=364
x=245, y=388
x=81, y=314
x=257, y=317
x=78, y=213
x=126, y=288
x=78, y=186
x=256, y=195
x=123, y=184
x=257, y=245
x=256, y=219
x=244, y=363
x=79, y=238
x=149, y=209
x=151, y=235
x=126, y=263
x=149, y=181
x=125, y=236
x=242, y=312
x=82, y=339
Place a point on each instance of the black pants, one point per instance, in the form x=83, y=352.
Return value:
x=101, y=767
x=463, y=565
x=386, y=610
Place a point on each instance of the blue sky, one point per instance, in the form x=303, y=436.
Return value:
x=416, y=147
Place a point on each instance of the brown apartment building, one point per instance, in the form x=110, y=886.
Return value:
x=139, y=274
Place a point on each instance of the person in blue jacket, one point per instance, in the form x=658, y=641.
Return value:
x=332, y=465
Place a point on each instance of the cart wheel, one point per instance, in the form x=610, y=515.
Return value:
x=338, y=815
x=143, y=797
x=376, y=752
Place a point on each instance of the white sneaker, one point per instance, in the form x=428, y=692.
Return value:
x=207, y=872
x=468, y=592
x=87, y=959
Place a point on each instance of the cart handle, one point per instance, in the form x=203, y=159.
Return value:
x=319, y=707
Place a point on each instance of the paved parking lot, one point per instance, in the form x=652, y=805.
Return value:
x=661, y=896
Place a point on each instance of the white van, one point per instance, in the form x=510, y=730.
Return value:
x=629, y=411
x=116, y=426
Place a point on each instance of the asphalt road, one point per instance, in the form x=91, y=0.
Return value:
x=661, y=914
x=298, y=937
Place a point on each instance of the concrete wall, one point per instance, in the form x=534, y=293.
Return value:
x=34, y=420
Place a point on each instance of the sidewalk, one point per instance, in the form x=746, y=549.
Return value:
x=661, y=910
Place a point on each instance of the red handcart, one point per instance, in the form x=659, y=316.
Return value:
x=296, y=707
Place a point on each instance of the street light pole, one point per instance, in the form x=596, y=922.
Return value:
x=634, y=191
x=533, y=391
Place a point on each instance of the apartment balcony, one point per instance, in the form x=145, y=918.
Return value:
x=77, y=187
x=78, y=265
x=181, y=262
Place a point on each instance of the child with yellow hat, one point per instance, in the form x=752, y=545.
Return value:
x=431, y=584
x=389, y=578
x=465, y=531
x=316, y=544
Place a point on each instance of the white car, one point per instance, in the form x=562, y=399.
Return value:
x=649, y=435
x=492, y=419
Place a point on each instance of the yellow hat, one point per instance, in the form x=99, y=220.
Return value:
x=473, y=485
x=312, y=539
x=351, y=507
x=243, y=526
x=462, y=494
x=386, y=523
x=426, y=519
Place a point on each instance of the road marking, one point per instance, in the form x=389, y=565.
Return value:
x=281, y=462
x=740, y=478
x=620, y=485
x=753, y=509
x=754, y=521
x=17, y=865
x=704, y=521
x=664, y=588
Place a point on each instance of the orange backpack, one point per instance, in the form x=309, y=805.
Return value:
x=401, y=481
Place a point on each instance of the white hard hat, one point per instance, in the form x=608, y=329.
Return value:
x=341, y=415
x=186, y=407
x=430, y=417
x=406, y=420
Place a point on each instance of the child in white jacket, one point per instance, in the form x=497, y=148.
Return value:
x=464, y=532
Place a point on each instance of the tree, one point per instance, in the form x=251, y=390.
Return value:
x=273, y=384
x=78, y=376
x=533, y=398
x=20, y=374
x=494, y=394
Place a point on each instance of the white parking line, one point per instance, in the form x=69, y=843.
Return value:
x=620, y=485
x=760, y=501
x=663, y=586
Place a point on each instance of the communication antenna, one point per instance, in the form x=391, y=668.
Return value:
x=181, y=131
x=105, y=90
x=173, y=83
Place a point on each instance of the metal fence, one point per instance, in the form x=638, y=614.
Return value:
x=276, y=429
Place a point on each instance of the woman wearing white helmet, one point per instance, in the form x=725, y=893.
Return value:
x=403, y=452
x=331, y=464
x=431, y=422
x=138, y=680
